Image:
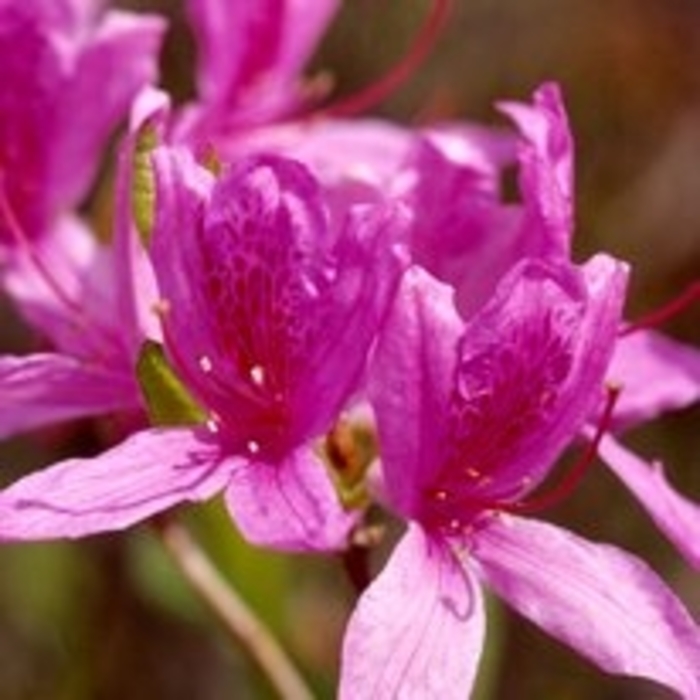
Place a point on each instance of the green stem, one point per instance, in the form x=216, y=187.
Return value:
x=239, y=620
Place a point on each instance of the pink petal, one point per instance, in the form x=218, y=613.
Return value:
x=36, y=390
x=370, y=261
x=151, y=471
x=546, y=165
x=72, y=294
x=677, y=517
x=657, y=374
x=606, y=604
x=418, y=631
x=68, y=252
x=251, y=54
x=291, y=505
x=356, y=161
x=120, y=58
x=410, y=381
x=460, y=218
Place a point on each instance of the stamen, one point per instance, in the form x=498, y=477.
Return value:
x=205, y=364
x=253, y=447
x=676, y=306
x=257, y=374
x=374, y=93
x=564, y=489
x=161, y=308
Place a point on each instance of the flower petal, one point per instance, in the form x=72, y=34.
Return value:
x=546, y=167
x=608, y=605
x=459, y=216
x=657, y=374
x=121, y=57
x=418, y=630
x=677, y=517
x=530, y=369
x=251, y=54
x=291, y=505
x=370, y=261
x=151, y=471
x=409, y=383
x=36, y=390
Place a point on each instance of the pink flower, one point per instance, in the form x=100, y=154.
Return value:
x=270, y=313
x=467, y=236
x=69, y=74
x=250, y=60
x=470, y=420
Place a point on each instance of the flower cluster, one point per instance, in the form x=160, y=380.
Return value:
x=275, y=271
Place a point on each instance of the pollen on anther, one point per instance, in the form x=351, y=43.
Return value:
x=253, y=447
x=257, y=374
x=472, y=473
x=161, y=307
x=212, y=425
x=454, y=525
x=440, y=495
x=205, y=364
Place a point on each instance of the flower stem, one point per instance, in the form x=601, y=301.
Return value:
x=239, y=620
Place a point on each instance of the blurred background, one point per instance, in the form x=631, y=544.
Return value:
x=110, y=618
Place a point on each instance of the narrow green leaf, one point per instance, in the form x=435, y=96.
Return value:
x=143, y=186
x=167, y=399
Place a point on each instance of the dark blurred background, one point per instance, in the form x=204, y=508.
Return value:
x=110, y=618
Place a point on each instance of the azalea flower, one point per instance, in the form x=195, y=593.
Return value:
x=58, y=57
x=470, y=419
x=250, y=58
x=268, y=315
x=469, y=238
x=78, y=294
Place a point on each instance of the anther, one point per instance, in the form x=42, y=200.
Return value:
x=205, y=364
x=160, y=308
x=257, y=374
x=253, y=447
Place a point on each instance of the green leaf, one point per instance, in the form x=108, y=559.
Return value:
x=167, y=399
x=143, y=185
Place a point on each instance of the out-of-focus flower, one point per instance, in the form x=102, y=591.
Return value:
x=250, y=61
x=470, y=420
x=269, y=312
x=70, y=72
